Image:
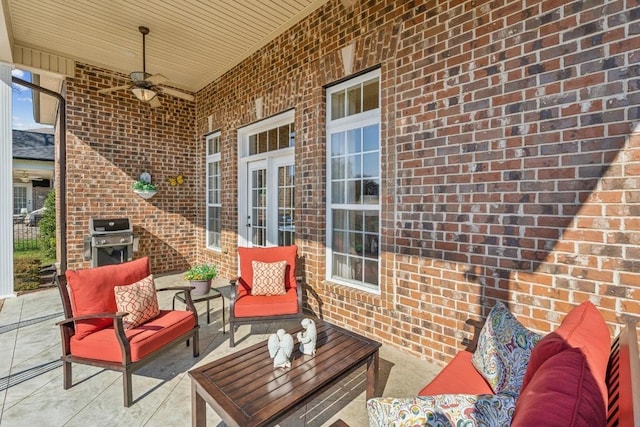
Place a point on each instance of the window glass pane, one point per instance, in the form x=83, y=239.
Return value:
x=337, y=144
x=371, y=138
x=371, y=188
x=253, y=144
x=213, y=227
x=340, y=219
x=337, y=192
x=340, y=242
x=370, y=95
x=372, y=221
x=354, y=141
x=337, y=168
x=354, y=169
x=351, y=196
x=371, y=271
x=354, y=100
x=371, y=245
x=370, y=165
x=283, y=136
x=262, y=142
x=272, y=136
x=292, y=135
x=337, y=105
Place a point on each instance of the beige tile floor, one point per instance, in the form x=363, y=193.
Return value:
x=31, y=392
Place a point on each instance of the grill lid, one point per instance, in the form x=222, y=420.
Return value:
x=108, y=226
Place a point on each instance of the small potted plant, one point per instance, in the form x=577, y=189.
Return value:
x=200, y=276
x=144, y=187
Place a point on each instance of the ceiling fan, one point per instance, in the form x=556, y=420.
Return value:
x=145, y=86
x=25, y=177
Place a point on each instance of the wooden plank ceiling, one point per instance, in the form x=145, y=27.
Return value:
x=191, y=42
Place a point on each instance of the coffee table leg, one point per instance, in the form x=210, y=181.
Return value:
x=198, y=408
x=372, y=374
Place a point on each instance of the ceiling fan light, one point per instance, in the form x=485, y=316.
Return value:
x=143, y=94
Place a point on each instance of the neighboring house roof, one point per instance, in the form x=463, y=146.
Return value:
x=33, y=145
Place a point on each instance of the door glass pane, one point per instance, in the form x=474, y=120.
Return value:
x=258, y=211
x=286, y=206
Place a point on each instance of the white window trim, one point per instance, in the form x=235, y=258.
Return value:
x=338, y=125
x=211, y=158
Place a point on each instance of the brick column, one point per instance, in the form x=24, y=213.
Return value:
x=6, y=184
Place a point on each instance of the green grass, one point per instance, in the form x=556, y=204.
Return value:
x=33, y=253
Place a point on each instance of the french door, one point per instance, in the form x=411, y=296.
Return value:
x=269, y=204
x=266, y=178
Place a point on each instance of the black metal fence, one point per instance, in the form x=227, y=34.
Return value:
x=25, y=236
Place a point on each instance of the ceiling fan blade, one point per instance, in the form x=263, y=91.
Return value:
x=178, y=93
x=156, y=79
x=155, y=102
x=113, y=89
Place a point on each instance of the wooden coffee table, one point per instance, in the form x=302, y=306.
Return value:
x=245, y=390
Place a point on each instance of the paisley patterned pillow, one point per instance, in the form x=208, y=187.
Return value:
x=442, y=410
x=504, y=348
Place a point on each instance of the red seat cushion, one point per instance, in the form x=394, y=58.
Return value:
x=458, y=377
x=92, y=291
x=261, y=305
x=145, y=339
x=561, y=393
x=270, y=254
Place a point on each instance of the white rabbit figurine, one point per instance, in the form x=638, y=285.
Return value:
x=308, y=337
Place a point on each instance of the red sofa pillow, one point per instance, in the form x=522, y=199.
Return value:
x=547, y=347
x=269, y=254
x=91, y=291
x=561, y=393
x=585, y=329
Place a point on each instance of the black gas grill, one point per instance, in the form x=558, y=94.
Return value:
x=110, y=241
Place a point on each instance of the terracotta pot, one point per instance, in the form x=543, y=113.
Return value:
x=202, y=286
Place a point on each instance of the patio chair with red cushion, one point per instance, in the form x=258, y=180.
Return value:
x=267, y=288
x=112, y=320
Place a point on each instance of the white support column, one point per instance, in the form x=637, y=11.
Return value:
x=6, y=184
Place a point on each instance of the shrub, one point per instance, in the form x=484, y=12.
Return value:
x=48, y=225
x=26, y=273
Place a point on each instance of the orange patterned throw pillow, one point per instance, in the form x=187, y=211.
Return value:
x=139, y=300
x=268, y=278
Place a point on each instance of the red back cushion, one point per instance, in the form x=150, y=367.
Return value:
x=548, y=346
x=585, y=329
x=92, y=291
x=270, y=254
x=561, y=393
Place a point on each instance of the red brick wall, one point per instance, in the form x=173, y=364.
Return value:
x=510, y=171
x=111, y=140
